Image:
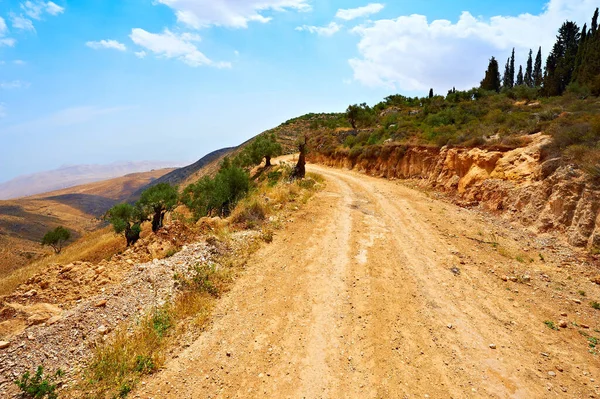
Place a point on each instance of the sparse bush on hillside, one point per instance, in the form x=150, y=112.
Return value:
x=158, y=200
x=38, y=386
x=219, y=194
x=126, y=219
x=56, y=238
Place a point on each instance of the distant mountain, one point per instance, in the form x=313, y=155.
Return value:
x=71, y=176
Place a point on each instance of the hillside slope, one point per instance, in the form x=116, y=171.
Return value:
x=181, y=175
x=24, y=221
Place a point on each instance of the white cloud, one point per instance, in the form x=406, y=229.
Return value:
x=353, y=13
x=140, y=54
x=109, y=44
x=53, y=8
x=35, y=9
x=171, y=45
x=5, y=41
x=15, y=84
x=409, y=53
x=230, y=13
x=19, y=62
x=328, y=30
x=21, y=23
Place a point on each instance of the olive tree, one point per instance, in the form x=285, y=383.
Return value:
x=263, y=147
x=56, y=238
x=126, y=219
x=157, y=201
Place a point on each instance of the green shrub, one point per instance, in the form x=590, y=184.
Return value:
x=274, y=177
x=161, y=322
x=550, y=325
x=144, y=364
x=217, y=195
x=38, y=386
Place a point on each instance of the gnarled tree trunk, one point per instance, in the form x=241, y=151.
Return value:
x=300, y=169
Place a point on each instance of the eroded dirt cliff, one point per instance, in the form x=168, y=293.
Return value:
x=543, y=194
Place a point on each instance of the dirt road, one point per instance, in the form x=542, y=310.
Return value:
x=376, y=290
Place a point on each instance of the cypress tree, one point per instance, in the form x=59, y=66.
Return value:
x=588, y=58
x=506, y=80
x=538, y=78
x=561, y=61
x=491, y=81
x=431, y=93
x=512, y=69
x=529, y=70
x=520, y=79
x=580, y=54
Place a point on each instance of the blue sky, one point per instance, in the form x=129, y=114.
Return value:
x=100, y=81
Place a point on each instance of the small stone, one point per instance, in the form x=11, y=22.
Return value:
x=101, y=303
x=562, y=324
x=504, y=278
x=551, y=373
x=577, y=301
x=261, y=375
x=584, y=326
x=492, y=346
x=526, y=278
x=103, y=330
x=4, y=344
x=449, y=326
x=545, y=354
x=513, y=279
x=53, y=320
x=564, y=314
x=30, y=293
x=37, y=318
x=560, y=368
x=228, y=354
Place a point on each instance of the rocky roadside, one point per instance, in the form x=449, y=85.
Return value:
x=66, y=339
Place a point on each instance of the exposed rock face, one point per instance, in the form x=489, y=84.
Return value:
x=544, y=195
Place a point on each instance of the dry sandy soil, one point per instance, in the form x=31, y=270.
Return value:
x=377, y=290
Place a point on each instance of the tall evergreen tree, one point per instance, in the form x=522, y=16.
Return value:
x=580, y=54
x=491, y=81
x=529, y=70
x=506, y=79
x=587, y=62
x=561, y=61
x=538, y=78
x=520, y=78
x=512, y=68
x=431, y=93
